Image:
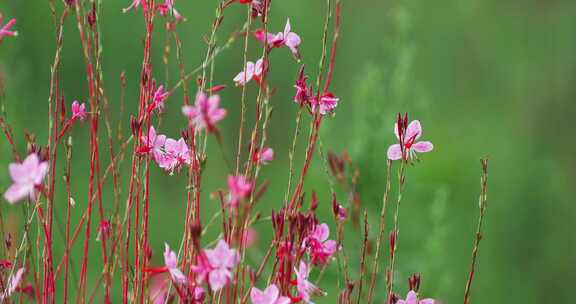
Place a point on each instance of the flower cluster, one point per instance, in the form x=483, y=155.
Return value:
x=323, y=103
x=215, y=266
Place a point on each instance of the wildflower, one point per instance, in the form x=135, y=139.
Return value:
x=327, y=103
x=252, y=70
x=270, y=295
x=240, y=188
x=205, y=113
x=304, y=287
x=221, y=260
x=302, y=92
x=158, y=99
x=407, y=136
x=78, y=110
x=13, y=283
x=5, y=30
x=412, y=298
x=287, y=38
x=321, y=249
x=168, y=7
x=176, y=155
x=154, y=144
x=264, y=157
x=26, y=177
x=171, y=263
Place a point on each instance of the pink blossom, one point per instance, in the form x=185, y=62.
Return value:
x=266, y=156
x=13, y=283
x=287, y=38
x=407, y=137
x=154, y=144
x=240, y=188
x=303, y=93
x=252, y=70
x=26, y=177
x=78, y=110
x=328, y=102
x=205, y=113
x=271, y=295
x=158, y=99
x=176, y=154
x=171, y=262
x=412, y=298
x=320, y=247
x=222, y=260
x=168, y=7
x=5, y=30
x=304, y=287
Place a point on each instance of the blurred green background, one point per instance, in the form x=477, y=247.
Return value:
x=484, y=77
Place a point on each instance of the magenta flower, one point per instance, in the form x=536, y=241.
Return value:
x=252, y=70
x=13, y=283
x=205, y=113
x=287, y=38
x=321, y=249
x=177, y=154
x=412, y=298
x=240, y=188
x=160, y=95
x=168, y=7
x=266, y=156
x=5, y=30
x=407, y=137
x=154, y=144
x=303, y=93
x=78, y=110
x=171, y=262
x=222, y=260
x=304, y=287
x=271, y=295
x=26, y=177
x=328, y=102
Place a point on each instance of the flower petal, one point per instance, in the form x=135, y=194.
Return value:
x=394, y=152
x=423, y=146
x=414, y=129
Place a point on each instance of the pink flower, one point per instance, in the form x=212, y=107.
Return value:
x=176, y=155
x=5, y=30
x=222, y=260
x=320, y=248
x=407, y=137
x=13, y=283
x=303, y=93
x=158, y=99
x=252, y=70
x=412, y=298
x=168, y=7
x=328, y=102
x=266, y=156
x=78, y=110
x=26, y=177
x=287, y=38
x=154, y=144
x=240, y=188
x=271, y=295
x=171, y=262
x=304, y=287
x=205, y=113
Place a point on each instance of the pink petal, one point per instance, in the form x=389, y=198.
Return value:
x=413, y=129
x=423, y=146
x=287, y=28
x=16, y=193
x=412, y=297
x=218, y=278
x=17, y=173
x=427, y=301
x=321, y=232
x=293, y=41
x=394, y=152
